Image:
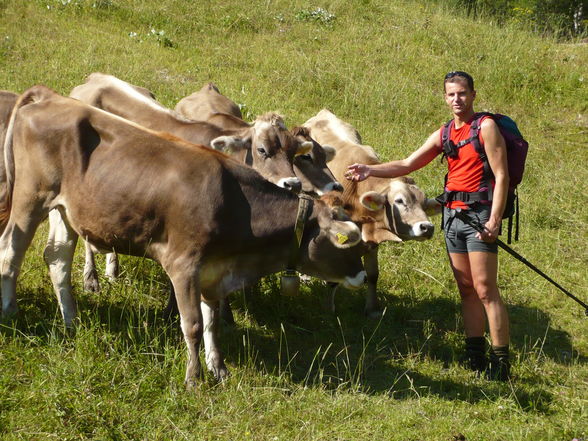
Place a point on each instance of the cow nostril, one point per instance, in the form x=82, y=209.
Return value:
x=427, y=228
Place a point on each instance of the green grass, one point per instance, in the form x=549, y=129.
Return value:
x=299, y=373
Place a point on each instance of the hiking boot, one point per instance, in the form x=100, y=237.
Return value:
x=499, y=366
x=475, y=354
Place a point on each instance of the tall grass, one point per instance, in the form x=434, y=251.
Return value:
x=299, y=372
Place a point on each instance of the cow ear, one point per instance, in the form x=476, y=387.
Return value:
x=372, y=200
x=330, y=152
x=432, y=207
x=303, y=148
x=344, y=234
x=228, y=144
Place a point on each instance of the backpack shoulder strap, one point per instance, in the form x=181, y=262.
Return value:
x=445, y=133
x=475, y=132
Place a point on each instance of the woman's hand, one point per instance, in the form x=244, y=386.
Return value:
x=490, y=233
x=357, y=172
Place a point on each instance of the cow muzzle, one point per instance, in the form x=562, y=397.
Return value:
x=291, y=184
x=423, y=230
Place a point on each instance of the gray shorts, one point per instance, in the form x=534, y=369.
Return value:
x=460, y=237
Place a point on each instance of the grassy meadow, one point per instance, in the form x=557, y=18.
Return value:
x=299, y=372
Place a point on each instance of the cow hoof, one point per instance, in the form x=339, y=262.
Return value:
x=374, y=315
x=10, y=311
x=191, y=385
x=91, y=283
x=221, y=374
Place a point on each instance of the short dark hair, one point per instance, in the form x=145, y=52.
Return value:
x=459, y=74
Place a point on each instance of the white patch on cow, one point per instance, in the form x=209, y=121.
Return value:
x=355, y=282
x=289, y=183
x=134, y=94
x=262, y=126
x=111, y=270
x=331, y=186
x=9, y=306
x=210, y=349
x=421, y=229
x=58, y=255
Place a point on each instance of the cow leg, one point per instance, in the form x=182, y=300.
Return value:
x=58, y=255
x=372, y=304
x=226, y=313
x=171, y=309
x=333, y=287
x=14, y=242
x=214, y=356
x=187, y=288
x=112, y=266
x=91, y=282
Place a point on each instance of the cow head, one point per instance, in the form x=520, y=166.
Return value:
x=330, y=248
x=312, y=168
x=399, y=211
x=269, y=148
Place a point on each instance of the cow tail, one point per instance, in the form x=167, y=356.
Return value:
x=29, y=96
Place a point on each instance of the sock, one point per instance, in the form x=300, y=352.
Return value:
x=475, y=349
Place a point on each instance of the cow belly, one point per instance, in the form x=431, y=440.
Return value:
x=133, y=234
x=221, y=276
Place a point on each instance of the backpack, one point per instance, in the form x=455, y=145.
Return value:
x=516, y=154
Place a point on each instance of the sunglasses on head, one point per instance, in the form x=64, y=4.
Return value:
x=458, y=73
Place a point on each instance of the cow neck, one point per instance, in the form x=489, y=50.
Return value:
x=305, y=203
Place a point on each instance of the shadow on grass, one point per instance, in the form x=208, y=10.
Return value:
x=412, y=351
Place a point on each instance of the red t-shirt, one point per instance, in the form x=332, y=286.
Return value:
x=466, y=170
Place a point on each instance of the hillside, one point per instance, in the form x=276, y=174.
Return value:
x=298, y=372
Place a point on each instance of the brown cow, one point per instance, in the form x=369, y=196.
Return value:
x=7, y=101
x=396, y=206
x=266, y=145
x=208, y=104
x=212, y=223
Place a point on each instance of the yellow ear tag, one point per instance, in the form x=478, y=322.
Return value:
x=341, y=238
x=374, y=206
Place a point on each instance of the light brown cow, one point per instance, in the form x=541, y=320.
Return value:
x=7, y=101
x=208, y=104
x=266, y=145
x=397, y=207
x=211, y=222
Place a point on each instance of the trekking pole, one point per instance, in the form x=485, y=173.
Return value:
x=478, y=227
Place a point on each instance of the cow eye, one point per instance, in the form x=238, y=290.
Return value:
x=399, y=201
x=262, y=151
x=305, y=157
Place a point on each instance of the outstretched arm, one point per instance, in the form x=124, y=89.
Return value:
x=418, y=159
